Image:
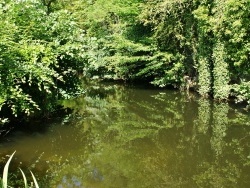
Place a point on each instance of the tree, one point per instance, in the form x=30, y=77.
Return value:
x=42, y=56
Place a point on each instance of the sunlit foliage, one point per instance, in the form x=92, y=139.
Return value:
x=196, y=44
x=41, y=58
x=46, y=45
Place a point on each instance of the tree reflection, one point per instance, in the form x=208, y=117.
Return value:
x=219, y=127
x=151, y=138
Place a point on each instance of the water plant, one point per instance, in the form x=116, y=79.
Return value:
x=4, y=181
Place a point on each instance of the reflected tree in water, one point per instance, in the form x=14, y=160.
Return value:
x=137, y=138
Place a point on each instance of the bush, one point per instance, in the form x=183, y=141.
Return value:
x=41, y=58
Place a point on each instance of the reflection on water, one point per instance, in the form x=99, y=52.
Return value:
x=134, y=137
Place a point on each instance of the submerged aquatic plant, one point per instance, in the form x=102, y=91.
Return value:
x=4, y=183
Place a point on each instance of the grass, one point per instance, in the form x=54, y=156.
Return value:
x=5, y=176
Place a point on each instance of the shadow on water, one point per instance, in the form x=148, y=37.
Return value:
x=135, y=137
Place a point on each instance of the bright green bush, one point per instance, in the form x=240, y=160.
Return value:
x=167, y=42
x=242, y=92
x=46, y=45
x=41, y=58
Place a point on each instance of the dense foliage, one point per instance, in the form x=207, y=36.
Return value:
x=46, y=45
x=41, y=55
x=200, y=44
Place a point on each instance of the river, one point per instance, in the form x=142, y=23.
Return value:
x=136, y=137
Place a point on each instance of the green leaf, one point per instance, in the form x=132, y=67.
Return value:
x=5, y=171
x=34, y=179
x=24, y=179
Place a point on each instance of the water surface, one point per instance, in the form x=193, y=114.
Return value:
x=135, y=137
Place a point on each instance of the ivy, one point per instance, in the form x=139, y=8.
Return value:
x=46, y=46
x=199, y=43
